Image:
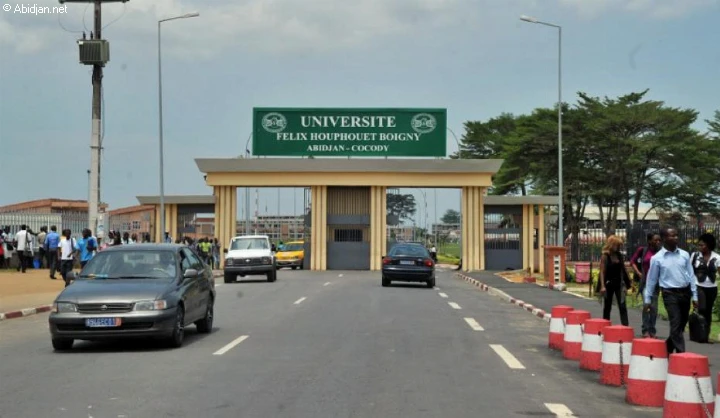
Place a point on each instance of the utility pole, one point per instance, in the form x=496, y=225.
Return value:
x=96, y=52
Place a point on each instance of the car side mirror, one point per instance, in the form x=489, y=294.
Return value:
x=225, y=251
x=191, y=274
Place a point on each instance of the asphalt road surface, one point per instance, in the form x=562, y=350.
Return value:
x=315, y=345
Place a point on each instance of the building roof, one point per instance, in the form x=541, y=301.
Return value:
x=521, y=200
x=178, y=200
x=131, y=209
x=357, y=165
x=52, y=203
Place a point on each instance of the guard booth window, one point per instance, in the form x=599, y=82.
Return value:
x=348, y=235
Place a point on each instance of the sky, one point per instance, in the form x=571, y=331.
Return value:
x=473, y=57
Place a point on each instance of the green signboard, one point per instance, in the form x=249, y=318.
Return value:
x=349, y=132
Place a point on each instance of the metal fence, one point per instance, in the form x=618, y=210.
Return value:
x=588, y=245
x=75, y=221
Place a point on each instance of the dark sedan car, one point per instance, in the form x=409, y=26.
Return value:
x=131, y=291
x=408, y=263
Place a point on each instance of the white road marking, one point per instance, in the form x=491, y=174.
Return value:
x=507, y=357
x=339, y=275
x=560, y=410
x=230, y=346
x=443, y=295
x=299, y=301
x=437, y=288
x=474, y=325
x=454, y=305
x=327, y=284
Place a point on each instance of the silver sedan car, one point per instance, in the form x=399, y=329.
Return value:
x=135, y=291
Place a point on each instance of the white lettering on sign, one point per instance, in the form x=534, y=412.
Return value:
x=348, y=121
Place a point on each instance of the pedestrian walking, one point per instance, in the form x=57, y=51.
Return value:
x=42, y=254
x=614, y=279
x=640, y=263
x=52, y=242
x=705, y=262
x=23, y=248
x=66, y=252
x=87, y=246
x=671, y=269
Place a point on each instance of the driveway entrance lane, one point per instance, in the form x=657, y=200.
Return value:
x=369, y=351
x=113, y=379
x=548, y=377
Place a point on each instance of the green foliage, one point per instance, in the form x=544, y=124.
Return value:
x=402, y=206
x=451, y=216
x=617, y=153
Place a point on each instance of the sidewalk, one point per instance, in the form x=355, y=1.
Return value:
x=544, y=299
x=32, y=292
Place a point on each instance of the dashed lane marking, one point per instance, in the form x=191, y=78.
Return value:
x=474, y=325
x=454, y=305
x=230, y=346
x=507, y=357
x=327, y=284
x=560, y=410
x=443, y=295
x=299, y=301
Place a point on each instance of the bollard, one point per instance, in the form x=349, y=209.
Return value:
x=557, y=326
x=591, y=350
x=689, y=391
x=572, y=341
x=616, y=350
x=648, y=373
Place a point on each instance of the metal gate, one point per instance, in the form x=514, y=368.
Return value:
x=503, y=238
x=348, y=228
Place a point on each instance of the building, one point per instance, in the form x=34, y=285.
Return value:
x=138, y=219
x=65, y=214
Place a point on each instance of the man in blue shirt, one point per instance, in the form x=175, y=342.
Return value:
x=87, y=245
x=671, y=269
x=52, y=241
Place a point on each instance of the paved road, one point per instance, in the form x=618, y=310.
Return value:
x=331, y=344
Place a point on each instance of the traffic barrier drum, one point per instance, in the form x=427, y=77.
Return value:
x=689, y=391
x=648, y=372
x=616, y=350
x=572, y=341
x=557, y=326
x=717, y=399
x=591, y=349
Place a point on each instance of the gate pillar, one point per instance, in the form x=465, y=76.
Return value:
x=473, y=229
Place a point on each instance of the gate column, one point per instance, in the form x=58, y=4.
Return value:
x=318, y=225
x=378, y=226
x=473, y=229
x=225, y=217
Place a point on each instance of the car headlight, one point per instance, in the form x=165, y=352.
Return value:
x=266, y=260
x=229, y=261
x=151, y=305
x=62, y=307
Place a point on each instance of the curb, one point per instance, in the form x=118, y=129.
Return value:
x=517, y=302
x=46, y=308
x=24, y=312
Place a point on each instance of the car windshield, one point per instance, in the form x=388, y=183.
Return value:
x=293, y=247
x=250, y=244
x=131, y=265
x=409, y=251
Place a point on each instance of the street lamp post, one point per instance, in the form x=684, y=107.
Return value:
x=560, y=234
x=247, y=190
x=460, y=207
x=160, y=121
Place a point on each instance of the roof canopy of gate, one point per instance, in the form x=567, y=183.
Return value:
x=296, y=172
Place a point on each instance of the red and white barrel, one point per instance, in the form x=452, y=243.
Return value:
x=616, y=350
x=557, y=326
x=572, y=341
x=592, y=339
x=688, y=391
x=717, y=399
x=648, y=372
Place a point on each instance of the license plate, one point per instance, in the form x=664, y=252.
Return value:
x=407, y=262
x=103, y=322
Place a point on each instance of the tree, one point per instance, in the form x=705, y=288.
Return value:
x=401, y=206
x=451, y=216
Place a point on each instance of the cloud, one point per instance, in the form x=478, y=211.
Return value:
x=656, y=9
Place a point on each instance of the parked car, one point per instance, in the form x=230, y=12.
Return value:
x=291, y=255
x=250, y=255
x=408, y=263
x=135, y=291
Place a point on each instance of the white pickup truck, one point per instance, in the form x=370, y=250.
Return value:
x=250, y=255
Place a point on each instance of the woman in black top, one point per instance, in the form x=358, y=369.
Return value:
x=614, y=280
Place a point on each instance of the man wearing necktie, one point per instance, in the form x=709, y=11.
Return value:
x=672, y=270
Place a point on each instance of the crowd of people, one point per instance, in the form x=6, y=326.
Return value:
x=684, y=279
x=59, y=253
